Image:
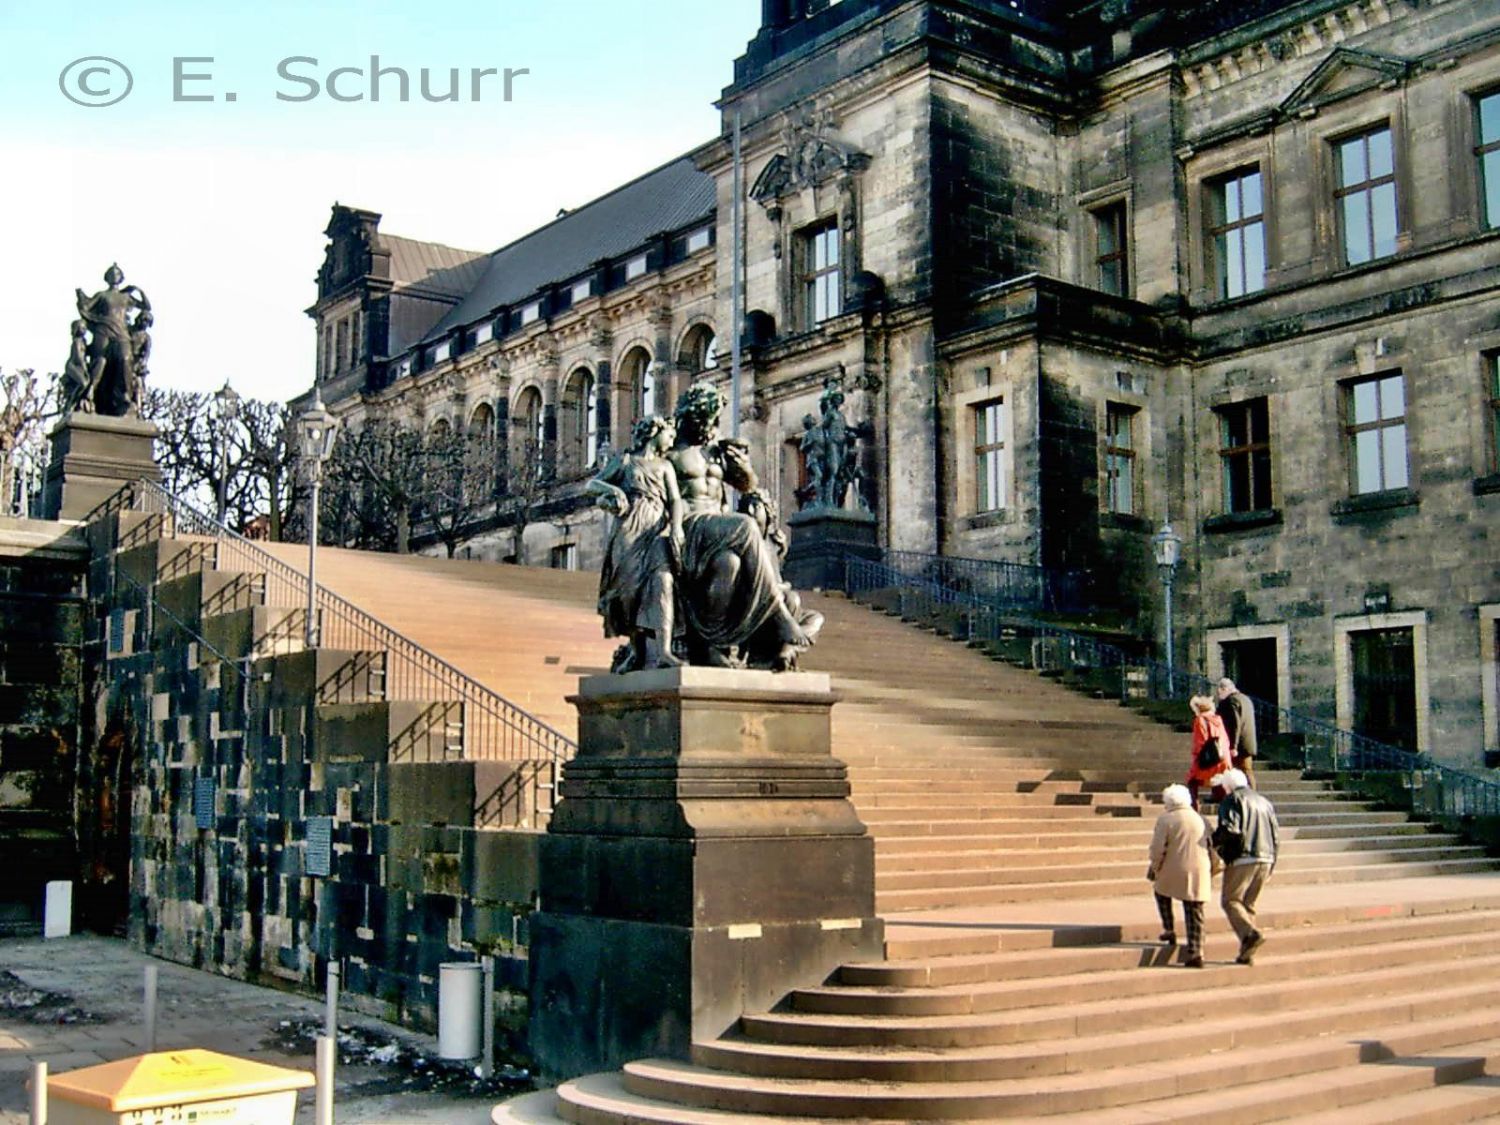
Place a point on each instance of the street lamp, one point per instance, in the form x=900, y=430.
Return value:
x=317, y=430
x=1166, y=545
x=227, y=401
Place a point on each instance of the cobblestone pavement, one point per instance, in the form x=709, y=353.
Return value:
x=102, y=981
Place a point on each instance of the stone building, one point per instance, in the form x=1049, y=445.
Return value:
x=1083, y=268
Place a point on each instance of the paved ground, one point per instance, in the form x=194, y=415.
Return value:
x=102, y=979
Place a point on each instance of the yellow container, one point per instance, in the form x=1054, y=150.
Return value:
x=192, y=1087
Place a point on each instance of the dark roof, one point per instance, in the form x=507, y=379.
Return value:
x=431, y=266
x=668, y=199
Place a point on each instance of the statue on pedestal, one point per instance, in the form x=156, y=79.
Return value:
x=106, y=369
x=830, y=448
x=733, y=609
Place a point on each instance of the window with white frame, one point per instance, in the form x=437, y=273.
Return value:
x=1487, y=111
x=442, y=351
x=635, y=267
x=699, y=240
x=484, y=333
x=1236, y=231
x=991, y=484
x=1366, y=195
x=1119, y=458
x=583, y=290
x=1375, y=425
x=821, y=278
x=531, y=313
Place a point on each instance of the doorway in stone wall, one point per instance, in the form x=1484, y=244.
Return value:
x=1383, y=662
x=1251, y=664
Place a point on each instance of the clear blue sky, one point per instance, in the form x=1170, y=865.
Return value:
x=216, y=208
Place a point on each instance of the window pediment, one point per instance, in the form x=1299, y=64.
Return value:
x=811, y=155
x=1346, y=72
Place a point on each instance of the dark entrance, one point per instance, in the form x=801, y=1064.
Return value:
x=1252, y=667
x=1385, y=686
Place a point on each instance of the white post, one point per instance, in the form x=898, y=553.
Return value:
x=487, y=1014
x=331, y=1003
x=736, y=289
x=39, y=1094
x=326, y=1054
x=149, y=1001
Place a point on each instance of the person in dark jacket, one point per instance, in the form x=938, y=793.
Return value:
x=1246, y=838
x=1238, y=714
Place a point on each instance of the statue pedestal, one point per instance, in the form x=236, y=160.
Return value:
x=704, y=860
x=93, y=457
x=820, y=537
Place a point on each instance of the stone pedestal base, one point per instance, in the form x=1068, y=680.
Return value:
x=820, y=537
x=704, y=861
x=93, y=457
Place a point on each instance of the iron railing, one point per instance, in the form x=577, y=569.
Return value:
x=1134, y=678
x=484, y=726
x=996, y=583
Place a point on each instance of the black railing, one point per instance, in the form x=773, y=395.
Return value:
x=1134, y=678
x=481, y=725
x=991, y=582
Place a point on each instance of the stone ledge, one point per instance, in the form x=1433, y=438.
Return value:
x=1395, y=501
x=1242, y=521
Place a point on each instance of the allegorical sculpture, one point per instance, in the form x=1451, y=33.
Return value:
x=682, y=564
x=830, y=449
x=107, y=362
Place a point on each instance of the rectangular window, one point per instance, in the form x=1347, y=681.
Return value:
x=1237, y=233
x=989, y=455
x=341, y=348
x=356, y=339
x=583, y=290
x=1119, y=458
x=531, y=313
x=484, y=333
x=1488, y=151
x=1492, y=378
x=1112, y=272
x=699, y=240
x=821, y=277
x=565, y=556
x=1366, y=195
x=442, y=352
x=1376, y=428
x=1245, y=451
x=635, y=268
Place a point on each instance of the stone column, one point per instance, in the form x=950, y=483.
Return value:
x=604, y=387
x=704, y=861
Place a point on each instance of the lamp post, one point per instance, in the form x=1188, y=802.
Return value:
x=1166, y=545
x=227, y=404
x=317, y=430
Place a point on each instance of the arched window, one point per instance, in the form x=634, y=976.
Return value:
x=580, y=421
x=639, y=377
x=700, y=350
x=527, y=434
x=482, y=422
x=442, y=429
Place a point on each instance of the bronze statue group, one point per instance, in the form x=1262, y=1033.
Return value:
x=686, y=577
x=1242, y=848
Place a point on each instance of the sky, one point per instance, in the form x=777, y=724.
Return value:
x=215, y=206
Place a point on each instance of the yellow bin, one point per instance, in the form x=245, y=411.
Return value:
x=192, y=1087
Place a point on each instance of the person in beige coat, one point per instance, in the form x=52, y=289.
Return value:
x=1181, y=868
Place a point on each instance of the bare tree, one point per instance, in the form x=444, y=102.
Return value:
x=527, y=483
x=26, y=402
x=273, y=484
x=459, y=485
x=374, y=485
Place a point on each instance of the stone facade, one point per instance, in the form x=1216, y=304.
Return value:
x=1085, y=270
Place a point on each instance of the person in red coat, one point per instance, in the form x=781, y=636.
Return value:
x=1208, y=729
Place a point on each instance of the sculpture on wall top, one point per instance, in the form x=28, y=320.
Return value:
x=830, y=449
x=107, y=362
x=709, y=577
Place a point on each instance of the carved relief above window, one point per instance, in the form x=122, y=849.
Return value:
x=811, y=155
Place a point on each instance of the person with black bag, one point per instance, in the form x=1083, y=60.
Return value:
x=1246, y=840
x=1210, y=747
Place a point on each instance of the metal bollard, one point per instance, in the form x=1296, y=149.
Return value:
x=331, y=1003
x=39, y=1094
x=487, y=1031
x=149, y=1001
x=326, y=1054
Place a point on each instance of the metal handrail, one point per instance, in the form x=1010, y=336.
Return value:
x=492, y=727
x=997, y=582
x=1134, y=678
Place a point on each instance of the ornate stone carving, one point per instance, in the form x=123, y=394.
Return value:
x=677, y=533
x=107, y=362
x=811, y=155
x=830, y=448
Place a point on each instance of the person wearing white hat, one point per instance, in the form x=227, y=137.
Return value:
x=1246, y=839
x=1180, y=868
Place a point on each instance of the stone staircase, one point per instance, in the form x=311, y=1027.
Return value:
x=1022, y=978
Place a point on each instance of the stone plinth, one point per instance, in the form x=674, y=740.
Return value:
x=820, y=537
x=704, y=860
x=93, y=457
